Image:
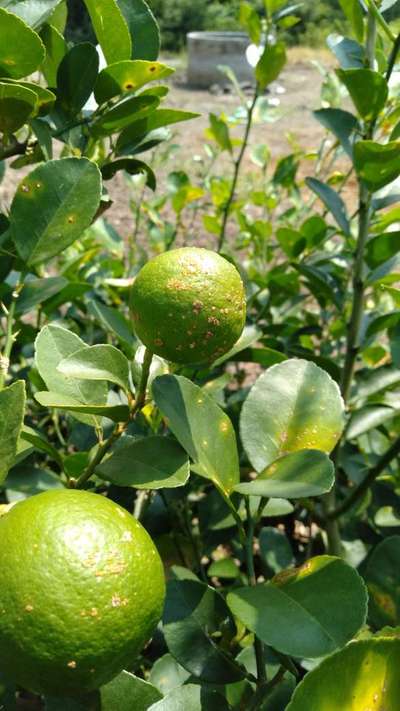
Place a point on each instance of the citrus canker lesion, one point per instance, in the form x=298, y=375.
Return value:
x=188, y=305
x=81, y=591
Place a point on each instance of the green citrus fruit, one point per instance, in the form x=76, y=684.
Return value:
x=188, y=305
x=81, y=591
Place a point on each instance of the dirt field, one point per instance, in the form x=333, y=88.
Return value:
x=301, y=82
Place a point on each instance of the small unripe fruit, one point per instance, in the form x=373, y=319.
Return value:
x=189, y=305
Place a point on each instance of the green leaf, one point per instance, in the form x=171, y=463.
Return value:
x=143, y=29
x=52, y=345
x=386, y=273
x=21, y=49
x=382, y=247
x=250, y=21
x=277, y=508
x=275, y=549
x=270, y=64
x=351, y=54
x=128, y=76
x=193, y=616
x=293, y=612
x=332, y=201
x=36, y=291
x=12, y=411
x=128, y=693
x=45, y=99
x=33, y=12
x=341, y=123
x=84, y=702
x=21, y=484
x=387, y=517
x=148, y=463
x=354, y=14
x=377, y=164
x=191, y=697
x=368, y=90
x=111, y=29
x=56, y=48
x=101, y=362
x=166, y=674
x=364, y=675
x=53, y=205
x=220, y=132
x=40, y=443
x=112, y=320
x=17, y=104
x=225, y=568
x=295, y=405
x=130, y=109
x=294, y=476
x=76, y=76
x=157, y=119
x=117, y=413
x=381, y=576
x=368, y=418
x=131, y=166
x=201, y=427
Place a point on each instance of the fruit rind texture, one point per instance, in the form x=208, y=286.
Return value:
x=81, y=591
x=188, y=305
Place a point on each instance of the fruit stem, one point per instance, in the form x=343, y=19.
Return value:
x=238, y=163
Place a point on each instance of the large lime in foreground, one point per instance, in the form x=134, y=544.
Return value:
x=81, y=591
x=189, y=305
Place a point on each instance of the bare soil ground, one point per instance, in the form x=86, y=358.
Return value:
x=301, y=81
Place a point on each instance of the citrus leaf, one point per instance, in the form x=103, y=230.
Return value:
x=149, y=463
x=166, y=674
x=332, y=201
x=201, y=427
x=101, y=362
x=40, y=443
x=377, y=164
x=52, y=345
x=129, y=75
x=110, y=28
x=17, y=104
x=76, y=76
x=270, y=64
x=125, y=112
x=117, y=413
x=294, y=476
x=386, y=273
x=56, y=48
x=194, y=613
x=53, y=205
x=275, y=549
x=341, y=123
x=45, y=99
x=293, y=612
x=143, y=28
x=381, y=576
x=191, y=697
x=128, y=693
x=368, y=90
x=36, y=291
x=363, y=676
x=157, y=119
x=33, y=12
x=131, y=166
x=387, y=517
x=21, y=49
x=295, y=405
x=12, y=410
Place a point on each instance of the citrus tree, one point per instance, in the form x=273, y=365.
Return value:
x=127, y=434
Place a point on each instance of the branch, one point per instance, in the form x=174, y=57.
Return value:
x=13, y=149
x=362, y=488
x=238, y=164
x=393, y=58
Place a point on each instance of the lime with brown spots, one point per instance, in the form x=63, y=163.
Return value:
x=81, y=591
x=188, y=305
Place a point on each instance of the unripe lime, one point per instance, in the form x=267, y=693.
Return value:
x=81, y=591
x=188, y=305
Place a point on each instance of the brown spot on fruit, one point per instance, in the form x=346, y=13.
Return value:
x=72, y=664
x=213, y=320
x=28, y=608
x=158, y=342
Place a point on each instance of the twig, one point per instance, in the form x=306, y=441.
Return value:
x=362, y=488
x=238, y=164
x=258, y=645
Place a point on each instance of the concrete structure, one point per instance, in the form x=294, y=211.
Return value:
x=208, y=50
